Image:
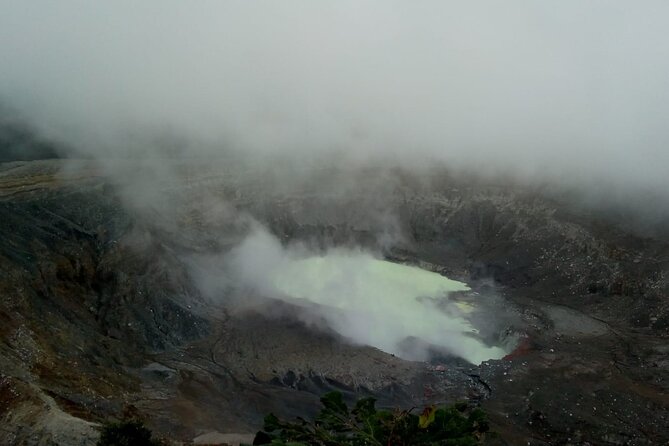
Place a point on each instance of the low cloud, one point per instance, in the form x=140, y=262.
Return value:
x=574, y=92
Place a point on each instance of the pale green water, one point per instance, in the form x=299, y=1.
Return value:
x=380, y=303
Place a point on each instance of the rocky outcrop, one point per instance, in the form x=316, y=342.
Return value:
x=100, y=316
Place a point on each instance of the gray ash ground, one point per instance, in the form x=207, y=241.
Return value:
x=100, y=317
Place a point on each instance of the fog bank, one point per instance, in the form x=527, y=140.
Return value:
x=569, y=91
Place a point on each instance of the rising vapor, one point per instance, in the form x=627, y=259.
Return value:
x=573, y=95
x=568, y=92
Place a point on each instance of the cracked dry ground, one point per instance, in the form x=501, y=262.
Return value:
x=99, y=316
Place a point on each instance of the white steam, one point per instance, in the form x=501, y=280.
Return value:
x=569, y=92
x=565, y=90
x=399, y=309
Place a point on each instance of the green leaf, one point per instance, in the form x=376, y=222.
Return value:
x=272, y=423
x=364, y=409
x=427, y=417
x=457, y=425
x=334, y=401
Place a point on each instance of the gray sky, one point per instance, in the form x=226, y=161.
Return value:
x=566, y=89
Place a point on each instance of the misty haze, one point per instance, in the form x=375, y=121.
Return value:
x=214, y=211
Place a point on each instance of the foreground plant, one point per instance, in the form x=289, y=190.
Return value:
x=365, y=425
x=126, y=433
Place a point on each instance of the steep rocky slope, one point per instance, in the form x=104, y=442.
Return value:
x=100, y=315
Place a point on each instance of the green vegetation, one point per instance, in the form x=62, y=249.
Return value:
x=365, y=425
x=126, y=433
